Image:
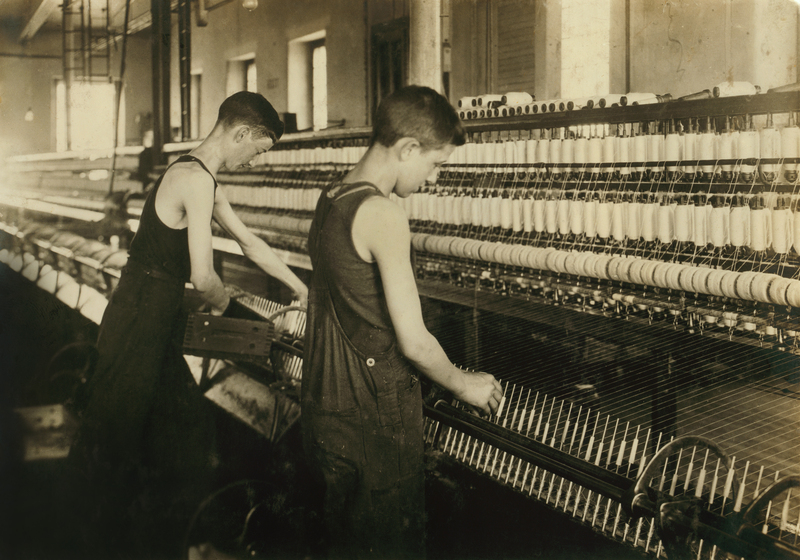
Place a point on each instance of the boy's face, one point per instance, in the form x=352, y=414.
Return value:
x=418, y=166
x=247, y=149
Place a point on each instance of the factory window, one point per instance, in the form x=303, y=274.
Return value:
x=85, y=118
x=319, y=84
x=242, y=75
x=389, y=58
x=308, y=81
x=250, y=77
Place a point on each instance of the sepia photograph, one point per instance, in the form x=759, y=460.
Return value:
x=399, y=279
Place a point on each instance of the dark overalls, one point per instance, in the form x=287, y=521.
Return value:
x=146, y=438
x=361, y=399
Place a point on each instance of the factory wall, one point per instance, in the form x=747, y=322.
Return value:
x=684, y=46
x=27, y=83
x=680, y=47
x=233, y=32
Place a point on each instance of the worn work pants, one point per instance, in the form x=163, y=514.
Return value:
x=145, y=446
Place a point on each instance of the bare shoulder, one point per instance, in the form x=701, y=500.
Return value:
x=380, y=229
x=187, y=177
x=379, y=213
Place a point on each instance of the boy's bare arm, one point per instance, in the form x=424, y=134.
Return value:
x=256, y=249
x=381, y=228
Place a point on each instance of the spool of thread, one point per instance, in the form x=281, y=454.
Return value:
x=516, y=98
x=702, y=211
x=530, y=150
x=539, y=221
x=604, y=219
x=580, y=153
x=638, y=98
x=494, y=210
x=707, y=150
x=689, y=151
x=554, y=154
x=486, y=210
x=726, y=143
x=790, y=148
x=747, y=148
x=510, y=153
x=610, y=152
x=673, y=144
x=649, y=216
x=770, y=147
x=619, y=224
x=444, y=210
x=543, y=152
x=506, y=219
x=782, y=230
x=760, y=229
x=551, y=215
x=684, y=220
x=639, y=151
x=717, y=226
x=519, y=152
x=731, y=88
x=665, y=223
x=515, y=211
x=567, y=154
x=466, y=209
x=484, y=150
x=563, y=216
x=655, y=150
x=740, y=226
x=471, y=152
x=634, y=220
x=476, y=210
x=594, y=152
x=796, y=229
x=487, y=99
x=624, y=151
x=499, y=156
x=590, y=218
x=778, y=289
x=527, y=215
x=467, y=102
x=576, y=216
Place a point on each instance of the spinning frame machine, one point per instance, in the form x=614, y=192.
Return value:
x=666, y=228
x=664, y=234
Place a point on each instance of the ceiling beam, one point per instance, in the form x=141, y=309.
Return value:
x=39, y=17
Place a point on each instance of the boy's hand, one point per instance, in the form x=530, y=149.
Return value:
x=480, y=390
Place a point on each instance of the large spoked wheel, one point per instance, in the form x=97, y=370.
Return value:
x=248, y=519
x=686, y=476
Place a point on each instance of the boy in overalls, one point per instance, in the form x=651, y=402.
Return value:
x=366, y=341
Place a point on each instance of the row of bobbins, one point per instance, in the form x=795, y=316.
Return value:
x=582, y=146
x=344, y=155
x=762, y=222
x=521, y=103
x=303, y=199
x=747, y=286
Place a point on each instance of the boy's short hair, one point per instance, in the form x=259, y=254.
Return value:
x=251, y=109
x=417, y=112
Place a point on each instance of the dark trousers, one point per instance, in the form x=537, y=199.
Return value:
x=144, y=453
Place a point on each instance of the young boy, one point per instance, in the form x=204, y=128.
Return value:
x=366, y=341
x=143, y=442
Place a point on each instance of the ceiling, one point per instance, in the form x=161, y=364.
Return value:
x=23, y=20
